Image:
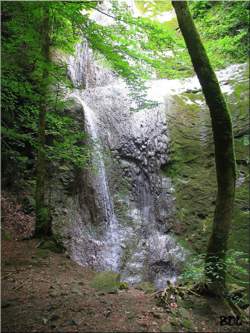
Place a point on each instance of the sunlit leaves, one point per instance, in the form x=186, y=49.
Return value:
x=224, y=27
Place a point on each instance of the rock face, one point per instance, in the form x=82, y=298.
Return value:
x=192, y=156
x=83, y=72
x=142, y=198
x=117, y=213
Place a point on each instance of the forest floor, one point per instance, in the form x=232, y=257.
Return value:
x=44, y=291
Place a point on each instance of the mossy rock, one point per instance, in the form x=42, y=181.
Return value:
x=192, y=171
x=52, y=246
x=147, y=287
x=106, y=282
x=42, y=253
x=168, y=327
x=186, y=323
x=123, y=286
x=6, y=236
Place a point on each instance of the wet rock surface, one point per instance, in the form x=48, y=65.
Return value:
x=131, y=178
x=122, y=211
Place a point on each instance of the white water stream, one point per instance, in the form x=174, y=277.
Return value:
x=111, y=243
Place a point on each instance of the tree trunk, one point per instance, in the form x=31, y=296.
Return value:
x=223, y=145
x=43, y=227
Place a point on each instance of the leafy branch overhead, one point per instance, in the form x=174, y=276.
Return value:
x=23, y=64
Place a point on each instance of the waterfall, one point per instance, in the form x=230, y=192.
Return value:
x=98, y=164
x=131, y=235
x=110, y=252
x=122, y=212
x=136, y=242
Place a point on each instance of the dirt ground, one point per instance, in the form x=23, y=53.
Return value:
x=44, y=291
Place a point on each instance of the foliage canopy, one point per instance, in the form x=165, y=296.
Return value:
x=135, y=47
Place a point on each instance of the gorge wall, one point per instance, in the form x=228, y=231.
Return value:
x=119, y=212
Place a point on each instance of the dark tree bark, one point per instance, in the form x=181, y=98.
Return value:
x=43, y=227
x=223, y=145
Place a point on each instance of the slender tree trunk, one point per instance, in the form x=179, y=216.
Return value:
x=223, y=144
x=43, y=228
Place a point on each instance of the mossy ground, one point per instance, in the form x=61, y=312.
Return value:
x=106, y=282
x=147, y=287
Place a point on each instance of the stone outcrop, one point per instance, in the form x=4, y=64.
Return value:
x=117, y=213
x=84, y=72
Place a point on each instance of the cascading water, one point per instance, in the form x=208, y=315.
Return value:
x=98, y=163
x=109, y=253
x=118, y=213
x=133, y=235
x=136, y=244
